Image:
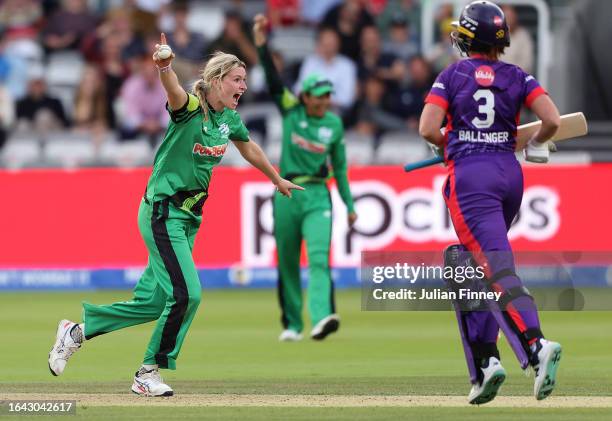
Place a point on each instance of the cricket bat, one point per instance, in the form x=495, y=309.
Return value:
x=572, y=126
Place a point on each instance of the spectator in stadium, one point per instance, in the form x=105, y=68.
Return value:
x=188, y=46
x=284, y=12
x=143, y=104
x=312, y=138
x=38, y=111
x=235, y=39
x=340, y=70
x=400, y=41
x=372, y=59
x=66, y=27
x=7, y=114
x=20, y=17
x=371, y=116
x=144, y=14
x=521, y=49
x=91, y=113
x=444, y=16
x=348, y=19
x=442, y=54
x=407, y=10
x=408, y=101
x=20, y=20
x=114, y=69
x=117, y=24
x=313, y=11
x=13, y=71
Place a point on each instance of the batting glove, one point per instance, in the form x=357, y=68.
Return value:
x=437, y=150
x=537, y=152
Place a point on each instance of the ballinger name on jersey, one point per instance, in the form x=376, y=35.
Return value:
x=492, y=137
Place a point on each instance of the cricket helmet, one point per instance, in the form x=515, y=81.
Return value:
x=481, y=26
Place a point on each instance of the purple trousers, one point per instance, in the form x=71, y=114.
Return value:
x=483, y=193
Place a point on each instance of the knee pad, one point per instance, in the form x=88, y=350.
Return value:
x=456, y=256
x=508, y=296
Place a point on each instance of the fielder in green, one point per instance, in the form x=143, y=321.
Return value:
x=312, y=136
x=169, y=291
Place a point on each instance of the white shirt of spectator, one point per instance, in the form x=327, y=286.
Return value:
x=521, y=50
x=340, y=70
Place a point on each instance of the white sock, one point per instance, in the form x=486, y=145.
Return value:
x=150, y=367
x=82, y=327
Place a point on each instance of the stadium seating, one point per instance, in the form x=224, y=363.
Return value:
x=69, y=150
x=359, y=148
x=21, y=151
x=397, y=148
x=133, y=153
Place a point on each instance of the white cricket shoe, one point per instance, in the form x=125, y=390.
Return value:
x=150, y=383
x=289, y=335
x=493, y=377
x=548, y=354
x=63, y=348
x=328, y=325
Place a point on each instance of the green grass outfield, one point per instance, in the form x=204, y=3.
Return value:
x=232, y=348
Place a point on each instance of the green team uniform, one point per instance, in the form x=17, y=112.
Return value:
x=169, y=216
x=308, y=144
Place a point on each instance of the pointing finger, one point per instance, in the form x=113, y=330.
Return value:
x=163, y=38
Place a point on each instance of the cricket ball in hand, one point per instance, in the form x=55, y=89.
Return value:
x=164, y=52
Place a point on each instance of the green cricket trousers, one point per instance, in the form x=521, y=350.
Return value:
x=306, y=216
x=169, y=290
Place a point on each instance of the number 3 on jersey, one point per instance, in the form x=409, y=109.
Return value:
x=488, y=108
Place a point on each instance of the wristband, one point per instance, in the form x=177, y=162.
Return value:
x=164, y=69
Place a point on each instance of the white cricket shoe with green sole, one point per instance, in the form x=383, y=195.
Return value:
x=548, y=355
x=493, y=377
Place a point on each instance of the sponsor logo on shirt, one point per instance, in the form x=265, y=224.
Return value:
x=215, y=151
x=224, y=129
x=484, y=76
x=480, y=137
x=307, y=145
x=325, y=134
x=439, y=85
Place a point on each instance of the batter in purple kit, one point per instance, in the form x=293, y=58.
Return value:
x=481, y=98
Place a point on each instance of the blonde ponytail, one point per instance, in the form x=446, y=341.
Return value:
x=199, y=89
x=219, y=65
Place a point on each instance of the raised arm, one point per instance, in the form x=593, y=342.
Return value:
x=177, y=97
x=282, y=96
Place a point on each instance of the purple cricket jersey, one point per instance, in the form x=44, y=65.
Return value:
x=483, y=100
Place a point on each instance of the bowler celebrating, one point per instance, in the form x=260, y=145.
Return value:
x=169, y=291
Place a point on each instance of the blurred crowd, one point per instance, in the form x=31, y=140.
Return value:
x=83, y=67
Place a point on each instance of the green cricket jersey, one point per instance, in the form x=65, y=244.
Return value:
x=308, y=142
x=190, y=150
